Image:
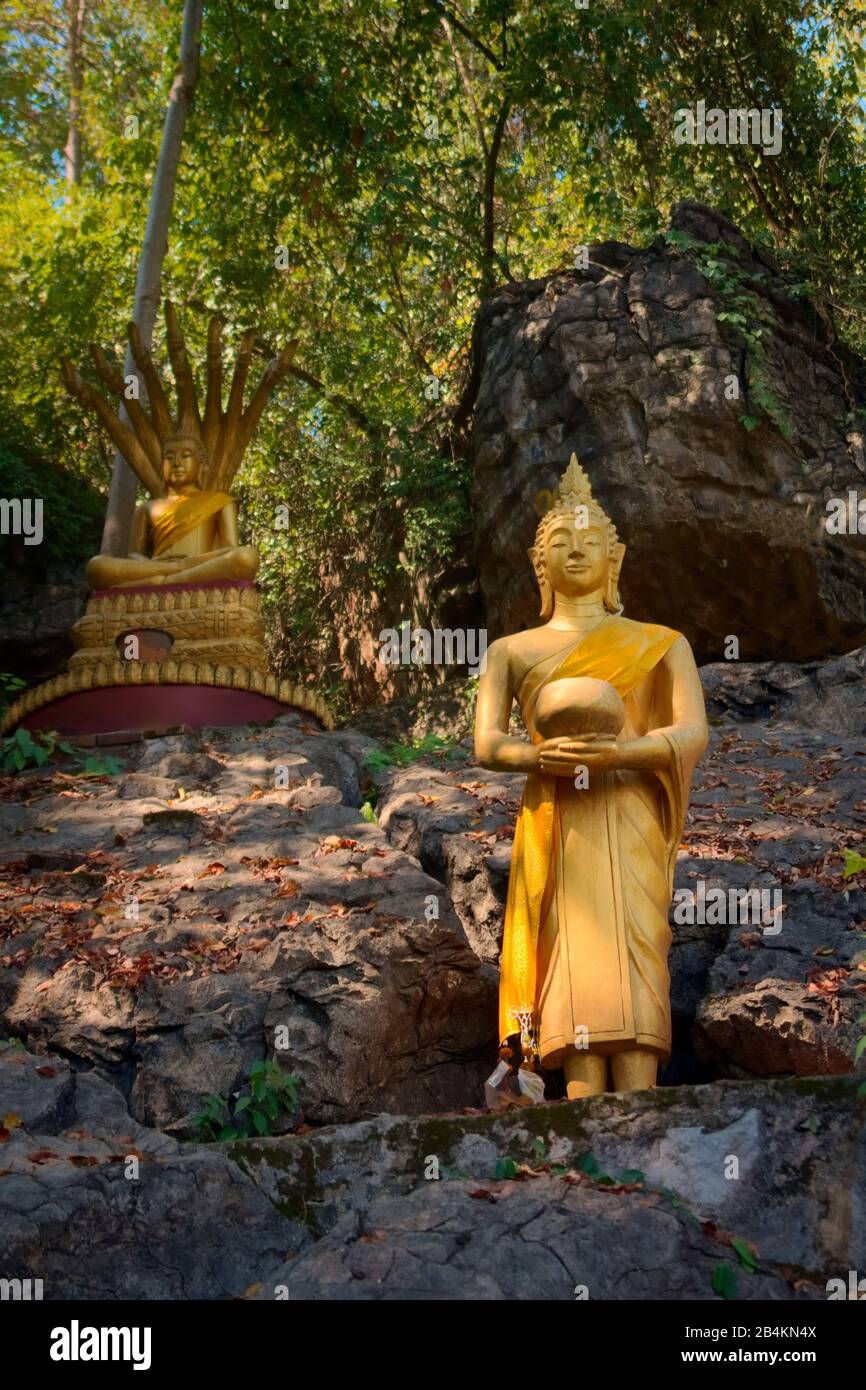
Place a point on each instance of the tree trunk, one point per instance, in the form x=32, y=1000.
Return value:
x=77, y=12
x=121, y=496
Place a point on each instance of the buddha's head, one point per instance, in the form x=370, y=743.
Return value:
x=576, y=551
x=182, y=459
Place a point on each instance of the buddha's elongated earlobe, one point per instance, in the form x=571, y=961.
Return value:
x=536, y=556
x=611, y=588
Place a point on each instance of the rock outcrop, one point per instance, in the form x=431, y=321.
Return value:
x=223, y=901
x=620, y=1197
x=633, y=363
x=826, y=695
x=736, y=1190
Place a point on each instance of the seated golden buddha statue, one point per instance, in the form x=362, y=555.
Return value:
x=179, y=611
x=183, y=537
x=615, y=714
x=188, y=532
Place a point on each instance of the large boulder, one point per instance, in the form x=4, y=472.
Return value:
x=38, y=606
x=631, y=363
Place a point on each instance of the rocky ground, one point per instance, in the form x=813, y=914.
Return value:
x=735, y=1190
x=165, y=923
x=221, y=898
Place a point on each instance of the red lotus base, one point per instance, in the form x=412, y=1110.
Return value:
x=153, y=708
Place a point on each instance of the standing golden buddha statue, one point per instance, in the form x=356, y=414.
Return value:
x=615, y=714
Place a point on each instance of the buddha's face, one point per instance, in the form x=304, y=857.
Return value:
x=181, y=461
x=576, y=558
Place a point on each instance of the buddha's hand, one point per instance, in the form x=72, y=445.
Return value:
x=562, y=757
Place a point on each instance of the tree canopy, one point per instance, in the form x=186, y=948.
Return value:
x=358, y=174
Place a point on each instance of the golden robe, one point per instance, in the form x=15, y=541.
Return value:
x=183, y=514
x=586, y=925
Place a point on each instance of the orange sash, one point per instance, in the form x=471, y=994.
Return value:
x=183, y=515
x=622, y=653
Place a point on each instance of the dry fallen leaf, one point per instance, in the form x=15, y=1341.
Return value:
x=215, y=868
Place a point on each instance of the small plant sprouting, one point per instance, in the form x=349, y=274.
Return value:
x=22, y=750
x=270, y=1094
x=403, y=754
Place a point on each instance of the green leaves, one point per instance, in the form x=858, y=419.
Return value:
x=632, y=1175
x=349, y=137
x=404, y=754
x=22, y=750
x=744, y=1254
x=724, y=1281
x=272, y=1095
x=588, y=1164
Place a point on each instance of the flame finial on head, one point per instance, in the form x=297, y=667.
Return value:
x=574, y=488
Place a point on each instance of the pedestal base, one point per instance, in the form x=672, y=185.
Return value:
x=198, y=658
x=154, y=708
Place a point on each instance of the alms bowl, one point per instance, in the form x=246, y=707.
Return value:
x=577, y=706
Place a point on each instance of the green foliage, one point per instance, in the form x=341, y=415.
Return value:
x=746, y=313
x=632, y=1175
x=744, y=1254
x=404, y=754
x=403, y=184
x=271, y=1096
x=23, y=750
x=72, y=512
x=859, y=1051
x=588, y=1164
x=10, y=688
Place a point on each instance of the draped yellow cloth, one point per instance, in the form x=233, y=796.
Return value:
x=586, y=936
x=180, y=515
